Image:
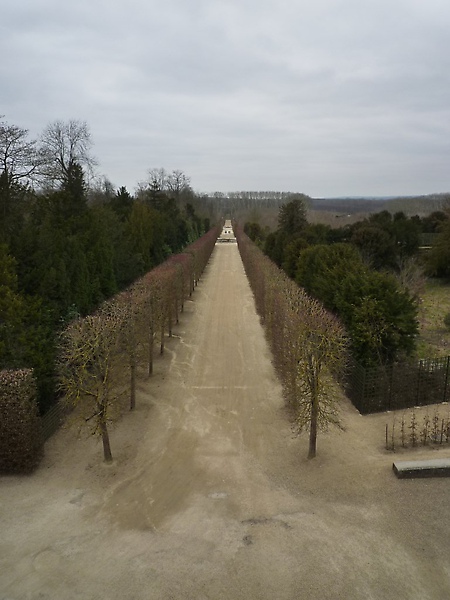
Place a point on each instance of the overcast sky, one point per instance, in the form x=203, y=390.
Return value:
x=325, y=97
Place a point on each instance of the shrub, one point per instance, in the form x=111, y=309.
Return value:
x=20, y=432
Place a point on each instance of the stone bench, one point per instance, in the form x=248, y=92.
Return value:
x=437, y=467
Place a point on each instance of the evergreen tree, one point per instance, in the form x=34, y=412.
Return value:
x=14, y=205
x=26, y=333
x=321, y=269
x=74, y=192
x=376, y=245
x=438, y=259
x=292, y=217
x=380, y=317
x=122, y=203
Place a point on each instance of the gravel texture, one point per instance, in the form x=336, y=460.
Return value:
x=211, y=496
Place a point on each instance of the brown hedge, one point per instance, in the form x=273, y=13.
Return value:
x=20, y=427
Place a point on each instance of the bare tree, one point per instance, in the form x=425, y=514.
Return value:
x=63, y=145
x=323, y=353
x=411, y=276
x=91, y=369
x=157, y=180
x=18, y=155
x=173, y=184
x=178, y=183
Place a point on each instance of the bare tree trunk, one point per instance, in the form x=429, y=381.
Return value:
x=150, y=351
x=106, y=445
x=162, y=339
x=133, y=382
x=313, y=426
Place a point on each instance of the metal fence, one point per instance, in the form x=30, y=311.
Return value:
x=400, y=385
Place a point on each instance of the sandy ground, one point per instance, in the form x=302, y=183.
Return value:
x=212, y=497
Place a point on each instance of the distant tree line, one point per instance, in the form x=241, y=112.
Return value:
x=234, y=205
x=410, y=205
x=68, y=242
x=364, y=273
x=385, y=240
x=418, y=205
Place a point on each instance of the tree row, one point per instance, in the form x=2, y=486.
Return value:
x=99, y=356
x=67, y=245
x=370, y=274
x=308, y=343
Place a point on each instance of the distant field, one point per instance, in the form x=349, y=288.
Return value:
x=335, y=212
x=348, y=205
x=335, y=219
x=434, y=338
x=420, y=205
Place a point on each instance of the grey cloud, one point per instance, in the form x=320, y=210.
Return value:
x=330, y=97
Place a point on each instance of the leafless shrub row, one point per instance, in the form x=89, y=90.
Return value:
x=419, y=426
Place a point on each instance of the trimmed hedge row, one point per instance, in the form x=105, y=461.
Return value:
x=150, y=306
x=21, y=443
x=308, y=343
x=100, y=354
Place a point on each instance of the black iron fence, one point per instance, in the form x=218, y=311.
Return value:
x=400, y=385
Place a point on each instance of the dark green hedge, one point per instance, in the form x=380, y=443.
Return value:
x=21, y=444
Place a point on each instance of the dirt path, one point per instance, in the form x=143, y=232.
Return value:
x=211, y=496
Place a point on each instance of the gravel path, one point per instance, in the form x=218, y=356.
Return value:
x=212, y=497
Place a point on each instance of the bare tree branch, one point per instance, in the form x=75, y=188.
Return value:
x=62, y=145
x=19, y=157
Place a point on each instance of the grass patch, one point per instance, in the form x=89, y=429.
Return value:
x=434, y=337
